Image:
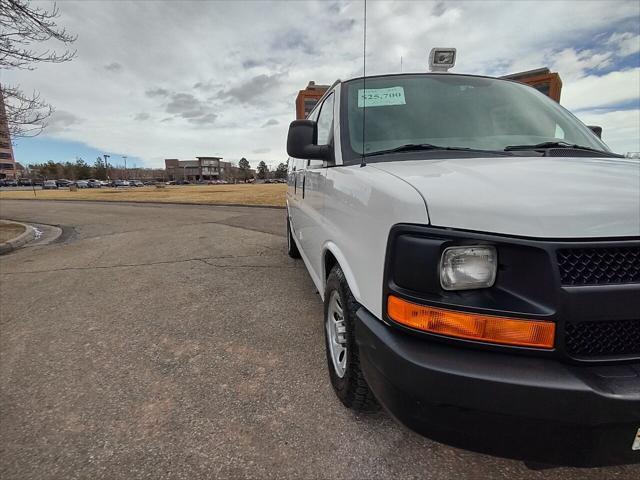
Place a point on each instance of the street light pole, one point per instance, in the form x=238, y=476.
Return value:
x=106, y=164
x=126, y=177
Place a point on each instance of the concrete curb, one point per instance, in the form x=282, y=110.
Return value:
x=141, y=202
x=15, y=243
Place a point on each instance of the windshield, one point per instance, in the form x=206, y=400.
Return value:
x=453, y=111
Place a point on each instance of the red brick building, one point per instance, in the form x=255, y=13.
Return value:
x=542, y=79
x=7, y=162
x=307, y=99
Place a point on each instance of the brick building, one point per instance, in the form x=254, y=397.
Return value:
x=542, y=80
x=202, y=168
x=7, y=162
x=307, y=99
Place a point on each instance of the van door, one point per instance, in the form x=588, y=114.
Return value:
x=298, y=189
x=312, y=202
x=295, y=180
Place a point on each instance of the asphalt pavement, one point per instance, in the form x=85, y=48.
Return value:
x=179, y=341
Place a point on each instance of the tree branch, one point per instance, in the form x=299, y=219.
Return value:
x=22, y=25
x=26, y=115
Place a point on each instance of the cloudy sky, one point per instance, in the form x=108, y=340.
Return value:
x=155, y=80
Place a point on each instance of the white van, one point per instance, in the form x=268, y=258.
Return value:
x=477, y=249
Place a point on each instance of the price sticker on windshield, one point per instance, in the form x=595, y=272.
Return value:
x=380, y=97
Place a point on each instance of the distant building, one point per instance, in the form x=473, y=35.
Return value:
x=542, y=79
x=307, y=99
x=7, y=162
x=202, y=168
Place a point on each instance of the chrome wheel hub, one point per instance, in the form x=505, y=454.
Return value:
x=336, y=334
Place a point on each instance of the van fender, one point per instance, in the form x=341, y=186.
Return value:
x=329, y=246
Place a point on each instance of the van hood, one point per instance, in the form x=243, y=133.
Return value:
x=542, y=197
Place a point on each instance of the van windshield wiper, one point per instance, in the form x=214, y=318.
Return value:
x=546, y=145
x=413, y=147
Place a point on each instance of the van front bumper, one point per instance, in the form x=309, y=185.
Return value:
x=532, y=409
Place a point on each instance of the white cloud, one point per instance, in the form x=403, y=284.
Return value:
x=574, y=63
x=620, y=129
x=598, y=91
x=177, y=79
x=626, y=43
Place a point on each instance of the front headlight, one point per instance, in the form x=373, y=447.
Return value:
x=467, y=267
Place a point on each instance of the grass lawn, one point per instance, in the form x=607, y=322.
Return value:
x=244, y=194
x=9, y=231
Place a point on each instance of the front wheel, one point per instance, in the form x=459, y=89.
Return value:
x=343, y=358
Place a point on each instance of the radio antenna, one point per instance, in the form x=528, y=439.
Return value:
x=364, y=81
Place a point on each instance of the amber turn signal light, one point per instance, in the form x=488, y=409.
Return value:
x=472, y=326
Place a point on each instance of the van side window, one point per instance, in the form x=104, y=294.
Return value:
x=325, y=121
x=313, y=115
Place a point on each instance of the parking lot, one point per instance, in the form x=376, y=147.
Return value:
x=179, y=341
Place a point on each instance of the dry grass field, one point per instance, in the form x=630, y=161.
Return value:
x=9, y=231
x=243, y=194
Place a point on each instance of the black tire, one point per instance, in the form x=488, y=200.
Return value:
x=292, y=248
x=352, y=388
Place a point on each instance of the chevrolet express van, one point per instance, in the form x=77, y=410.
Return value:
x=477, y=249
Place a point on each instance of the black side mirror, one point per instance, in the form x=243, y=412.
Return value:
x=597, y=130
x=302, y=140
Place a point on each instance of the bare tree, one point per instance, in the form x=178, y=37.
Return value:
x=26, y=114
x=22, y=26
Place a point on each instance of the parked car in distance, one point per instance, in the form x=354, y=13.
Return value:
x=81, y=184
x=104, y=183
x=93, y=183
x=24, y=182
x=50, y=185
x=136, y=183
x=9, y=182
x=120, y=183
x=476, y=247
x=62, y=182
